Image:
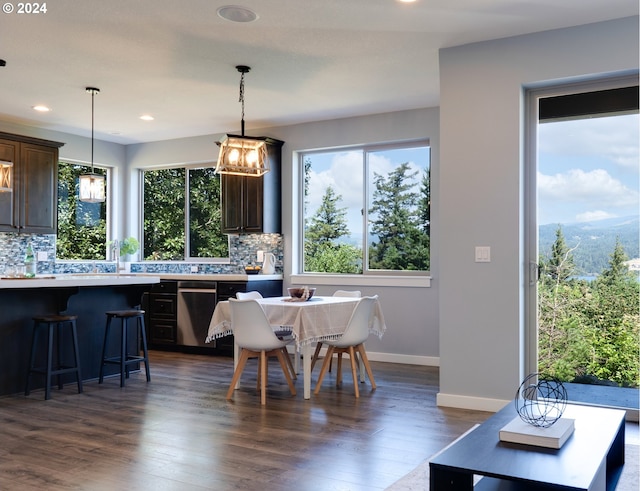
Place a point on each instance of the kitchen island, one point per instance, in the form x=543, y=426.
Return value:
x=86, y=295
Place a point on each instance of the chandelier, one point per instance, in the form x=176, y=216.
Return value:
x=239, y=154
x=92, y=185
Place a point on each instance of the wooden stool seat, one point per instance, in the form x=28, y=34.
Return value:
x=125, y=359
x=54, y=324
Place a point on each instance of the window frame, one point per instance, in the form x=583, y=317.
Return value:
x=367, y=276
x=187, y=245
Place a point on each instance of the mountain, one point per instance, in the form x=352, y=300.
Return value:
x=594, y=241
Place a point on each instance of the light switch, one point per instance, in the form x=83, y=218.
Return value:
x=483, y=254
x=41, y=256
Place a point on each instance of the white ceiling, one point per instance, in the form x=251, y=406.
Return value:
x=311, y=59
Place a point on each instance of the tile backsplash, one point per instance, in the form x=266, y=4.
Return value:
x=243, y=250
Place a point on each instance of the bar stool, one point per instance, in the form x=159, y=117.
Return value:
x=54, y=325
x=125, y=359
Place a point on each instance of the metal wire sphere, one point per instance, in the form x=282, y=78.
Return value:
x=540, y=401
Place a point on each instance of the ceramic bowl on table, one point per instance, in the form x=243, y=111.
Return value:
x=298, y=292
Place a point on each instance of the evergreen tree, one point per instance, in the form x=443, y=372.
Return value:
x=400, y=242
x=329, y=222
x=323, y=253
x=561, y=265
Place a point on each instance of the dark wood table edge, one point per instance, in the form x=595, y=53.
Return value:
x=448, y=478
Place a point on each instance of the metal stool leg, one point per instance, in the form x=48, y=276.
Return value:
x=76, y=354
x=104, y=349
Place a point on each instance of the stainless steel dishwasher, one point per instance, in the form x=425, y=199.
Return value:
x=196, y=303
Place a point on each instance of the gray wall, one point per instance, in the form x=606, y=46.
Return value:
x=411, y=313
x=481, y=324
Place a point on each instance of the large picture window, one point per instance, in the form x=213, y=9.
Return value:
x=82, y=227
x=367, y=210
x=181, y=209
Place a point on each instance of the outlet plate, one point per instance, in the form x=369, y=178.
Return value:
x=194, y=269
x=41, y=256
x=483, y=254
x=260, y=256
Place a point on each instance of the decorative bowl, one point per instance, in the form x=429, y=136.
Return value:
x=298, y=292
x=252, y=269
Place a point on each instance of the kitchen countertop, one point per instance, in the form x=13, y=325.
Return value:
x=73, y=280
x=113, y=279
x=214, y=277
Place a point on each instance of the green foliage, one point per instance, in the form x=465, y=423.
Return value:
x=322, y=251
x=205, y=215
x=401, y=222
x=163, y=224
x=334, y=258
x=164, y=214
x=82, y=227
x=589, y=329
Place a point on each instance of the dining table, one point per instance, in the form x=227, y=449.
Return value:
x=315, y=320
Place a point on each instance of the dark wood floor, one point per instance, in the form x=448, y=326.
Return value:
x=179, y=433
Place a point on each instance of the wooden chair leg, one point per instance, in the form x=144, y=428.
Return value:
x=244, y=356
x=354, y=371
x=287, y=358
x=281, y=358
x=339, y=372
x=263, y=381
x=365, y=361
x=323, y=371
x=316, y=355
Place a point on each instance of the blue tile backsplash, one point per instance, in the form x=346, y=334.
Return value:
x=242, y=252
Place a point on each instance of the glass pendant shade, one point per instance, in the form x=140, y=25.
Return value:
x=92, y=188
x=92, y=184
x=242, y=156
x=5, y=176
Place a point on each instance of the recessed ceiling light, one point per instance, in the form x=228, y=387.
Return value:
x=41, y=108
x=147, y=117
x=406, y=1
x=235, y=13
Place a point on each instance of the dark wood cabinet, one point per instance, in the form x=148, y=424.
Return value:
x=162, y=314
x=253, y=204
x=31, y=206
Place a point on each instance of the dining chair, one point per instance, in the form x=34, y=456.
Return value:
x=351, y=342
x=254, y=336
x=337, y=293
x=283, y=335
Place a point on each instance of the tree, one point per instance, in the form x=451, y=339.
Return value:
x=588, y=329
x=82, y=227
x=164, y=230
x=323, y=251
x=561, y=265
x=401, y=244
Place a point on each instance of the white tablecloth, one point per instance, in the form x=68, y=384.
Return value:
x=315, y=320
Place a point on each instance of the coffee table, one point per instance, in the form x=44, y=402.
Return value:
x=591, y=459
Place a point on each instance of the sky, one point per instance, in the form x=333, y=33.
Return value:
x=343, y=171
x=588, y=169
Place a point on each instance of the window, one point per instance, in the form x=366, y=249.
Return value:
x=175, y=228
x=366, y=210
x=82, y=227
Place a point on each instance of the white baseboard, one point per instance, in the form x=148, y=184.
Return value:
x=468, y=402
x=426, y=361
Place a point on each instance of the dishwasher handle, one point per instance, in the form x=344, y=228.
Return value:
x=196, y=290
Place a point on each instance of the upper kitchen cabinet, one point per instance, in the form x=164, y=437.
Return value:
x=31, y=204
x=251, y=205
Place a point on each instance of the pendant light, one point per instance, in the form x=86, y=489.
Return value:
x=92, y=185
x=239, y=154
x=5, y=176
